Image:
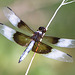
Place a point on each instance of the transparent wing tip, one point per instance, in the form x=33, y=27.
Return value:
x=59, y=55
x=70, y=59
x=9, y=8
x=1, y=24
x=6, y=10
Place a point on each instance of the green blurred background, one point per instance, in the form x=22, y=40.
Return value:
x=37, y=13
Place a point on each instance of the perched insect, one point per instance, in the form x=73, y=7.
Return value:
x=30, y=39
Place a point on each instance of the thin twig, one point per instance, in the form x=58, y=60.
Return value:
x=30, y=64
x=53, y=16
x=69, y=2
x=62, y=3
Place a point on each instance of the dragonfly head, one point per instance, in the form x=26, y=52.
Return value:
x=42, y=29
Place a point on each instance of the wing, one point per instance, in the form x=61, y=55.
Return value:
x=49, y=52
x=59, y=55
x=14, y=36
x=60, y=42
x=42, y=49
x=15, y=20
x=69, y=43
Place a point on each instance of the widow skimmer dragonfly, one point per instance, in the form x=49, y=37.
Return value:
x=30, y=39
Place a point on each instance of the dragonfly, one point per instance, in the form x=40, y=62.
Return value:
x=30, y=39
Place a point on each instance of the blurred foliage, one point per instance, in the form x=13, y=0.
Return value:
x=37, y=13
x=5, y=2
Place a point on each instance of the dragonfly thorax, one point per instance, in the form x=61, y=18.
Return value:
x=42, y=29
x=38, y=34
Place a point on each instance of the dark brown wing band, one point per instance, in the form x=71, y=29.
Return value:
x=42, y=49
x=49, y=39
x=21, y=39
x=23, y=25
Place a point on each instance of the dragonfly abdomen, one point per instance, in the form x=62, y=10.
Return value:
x=27, y=50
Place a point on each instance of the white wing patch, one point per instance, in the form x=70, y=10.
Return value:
x=59, y=55
x=7, y=32
x=11, y=16
x=70, y=43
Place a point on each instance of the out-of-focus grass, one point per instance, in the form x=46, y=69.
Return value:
x=6, y=2
x=37, y=13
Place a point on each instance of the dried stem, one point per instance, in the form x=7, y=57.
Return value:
x=62, y=3
x=30, y=64
x=69, y=2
